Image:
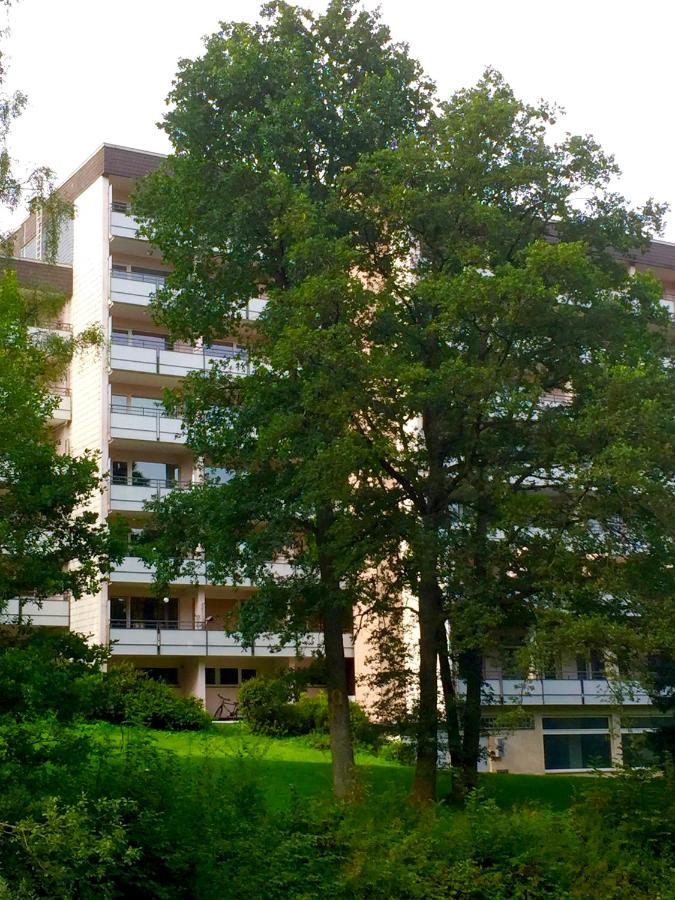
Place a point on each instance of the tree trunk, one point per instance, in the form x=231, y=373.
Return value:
x=449, y=699
x=424, y=784
x=342, y=750
x=471, y=669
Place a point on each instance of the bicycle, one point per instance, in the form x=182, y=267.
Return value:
x=231, y=707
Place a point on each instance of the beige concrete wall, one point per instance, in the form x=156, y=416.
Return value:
x=89, y=391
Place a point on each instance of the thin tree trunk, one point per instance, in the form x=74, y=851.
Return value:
x=424, y=784
x=449, y=699
x=344, y=773
x=471, y=668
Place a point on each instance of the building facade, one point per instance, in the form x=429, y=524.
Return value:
x=570, y=720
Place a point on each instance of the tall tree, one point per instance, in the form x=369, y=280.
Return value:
x=263, y=126
x=49, y=541
x=518, y=394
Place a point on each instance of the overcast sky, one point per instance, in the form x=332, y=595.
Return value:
x=98, y=71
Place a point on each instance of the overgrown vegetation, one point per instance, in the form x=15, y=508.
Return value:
x=269, y=707
x=87, y=815
x=59, y=675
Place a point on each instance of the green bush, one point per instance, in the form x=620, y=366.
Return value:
x=267, y=705
x=398, y=751
x=126, y=695
x=46, y=672
x=264, y=702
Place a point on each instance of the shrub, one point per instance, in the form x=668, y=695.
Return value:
x=266, y=704
x=263, y=703
x=398, y=751
x=127, y=695
x=43, y=672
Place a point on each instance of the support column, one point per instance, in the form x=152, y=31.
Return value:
x=194, y=678
x=200, y=606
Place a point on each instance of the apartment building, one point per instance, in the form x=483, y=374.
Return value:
x=112, y=405
x=570, y=717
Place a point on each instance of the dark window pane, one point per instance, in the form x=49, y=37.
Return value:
x=229, y=676
x=210, y=676
x=168, y=675
x=247, y=673
x=569, y=722
x=638, y=750
x=118, y=612
x=576, y=751
x=120, y=472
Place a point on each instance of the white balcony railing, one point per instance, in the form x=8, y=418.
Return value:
x=121, y=223
x=554, y=692
x=136, y=355
x=62, y=412
x=126, y=495
x=132, y=570
x=133, y=287
x=53, y=611
x=141, y=423
x=162, y=640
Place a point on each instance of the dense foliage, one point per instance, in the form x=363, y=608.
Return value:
x=269, y=707
x=50, y=540
x=88, y=818
x=126, y=695
x=58, y=674
x=503, y=451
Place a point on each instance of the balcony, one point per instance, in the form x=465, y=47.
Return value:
x=555, y=692
x=140, y=423
x=62, y=412
x=62, y=330
x=134, y=288
x=125, y=494
x=122, y=224
x=132, y=570
x=146, y=638
x=135, y=354
x=53, y=612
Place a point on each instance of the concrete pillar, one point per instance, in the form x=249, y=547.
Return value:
x=200, y=606
x=194, y=678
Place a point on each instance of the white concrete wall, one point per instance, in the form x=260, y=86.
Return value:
x=89, y=376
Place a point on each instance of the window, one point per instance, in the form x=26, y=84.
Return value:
x=591, y=667
x=122, y=403
x=225, y=350
x=228, y=677
x=637, y=741
x=167, y=675
x=152, y=474
x=143, y=612
x=147, y=339
x=581, y=742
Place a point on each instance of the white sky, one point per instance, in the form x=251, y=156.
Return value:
x=98, y=71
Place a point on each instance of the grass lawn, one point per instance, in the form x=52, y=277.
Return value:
x=289, y=766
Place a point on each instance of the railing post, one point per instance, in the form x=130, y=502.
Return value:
x=159, y=641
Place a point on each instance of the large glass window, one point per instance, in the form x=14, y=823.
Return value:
x=577, y=751
x=143, y=612
x=168, y=674
x=576, y=742
x=141, y=473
